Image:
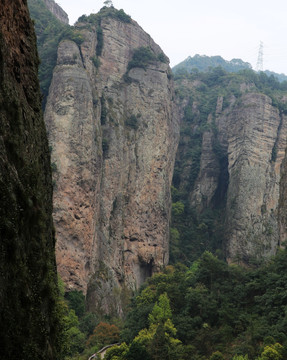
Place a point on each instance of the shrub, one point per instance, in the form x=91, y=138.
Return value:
x=163, y=58
x=132, y=122
x=141, y=58
x=105, y=145
x=96, y=61
x=100, y=41
x=104, y=111
x=122, y=16
x=104, y=334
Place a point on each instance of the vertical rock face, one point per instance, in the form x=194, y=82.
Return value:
x=57, y=11
x=256, y=147
x=28, y=291
x=283, y=202
x=242, y=148
x=113, y=132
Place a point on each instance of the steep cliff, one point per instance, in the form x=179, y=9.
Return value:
x=56, y=10
x=233, y=143
x=28, y=292
x=113, y=132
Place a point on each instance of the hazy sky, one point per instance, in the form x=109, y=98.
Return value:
x=232, y=29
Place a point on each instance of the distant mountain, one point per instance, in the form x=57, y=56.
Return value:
x=280, y=77
x=203, y=63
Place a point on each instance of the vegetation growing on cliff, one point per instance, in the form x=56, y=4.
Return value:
x=203, y=97
x=50, y=31
x=105, y=12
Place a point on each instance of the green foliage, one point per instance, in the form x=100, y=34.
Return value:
x=54, y=167
x=100, y=41
x=163, y=58
x=87, y=323
x=272, y=352
x=50, y=31
x=105, y=145
x=76, y=301
x=95, y=19
x=104, y=111
x=161, y=311
x=219, y=311
x=205, y=63
x=132, y=122
x=142, y=56
x=158, y=340
x=177, y=208
x=117, y=352
x=122, y=16
x=96, y=61
x=217, y=356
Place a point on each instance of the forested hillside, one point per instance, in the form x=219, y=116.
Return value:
x=203, y=63
x=215, y=309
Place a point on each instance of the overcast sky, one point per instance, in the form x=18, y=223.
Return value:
x=231, y=29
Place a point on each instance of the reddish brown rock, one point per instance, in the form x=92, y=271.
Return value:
x=114, y=135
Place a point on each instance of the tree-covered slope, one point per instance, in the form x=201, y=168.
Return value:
x=204, y=63
x=218, y=311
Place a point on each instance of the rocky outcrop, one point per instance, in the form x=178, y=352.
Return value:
x=113, y=132
x=256, y=147
x=28, y=292
x=243, y=145
x=57, y=11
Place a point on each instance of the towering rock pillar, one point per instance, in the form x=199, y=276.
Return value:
x=113, y=132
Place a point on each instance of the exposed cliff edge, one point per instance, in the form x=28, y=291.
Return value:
x=28, y=290
x=57, y=11
x=113, y=132
x=229, y=162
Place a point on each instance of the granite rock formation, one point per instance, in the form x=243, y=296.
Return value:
x=113, y=131
x=28, y=290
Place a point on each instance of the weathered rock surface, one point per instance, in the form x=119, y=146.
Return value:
x=114, y=135
x=57, y=11
x=242, y=150
x=28, y=291
x=256, y=147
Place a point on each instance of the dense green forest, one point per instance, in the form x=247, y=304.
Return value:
x=208, y=311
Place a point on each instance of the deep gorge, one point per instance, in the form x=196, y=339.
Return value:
x=160, y=179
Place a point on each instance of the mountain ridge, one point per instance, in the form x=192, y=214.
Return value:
x=204, y=63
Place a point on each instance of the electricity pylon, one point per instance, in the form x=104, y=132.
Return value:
x=259, y=65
